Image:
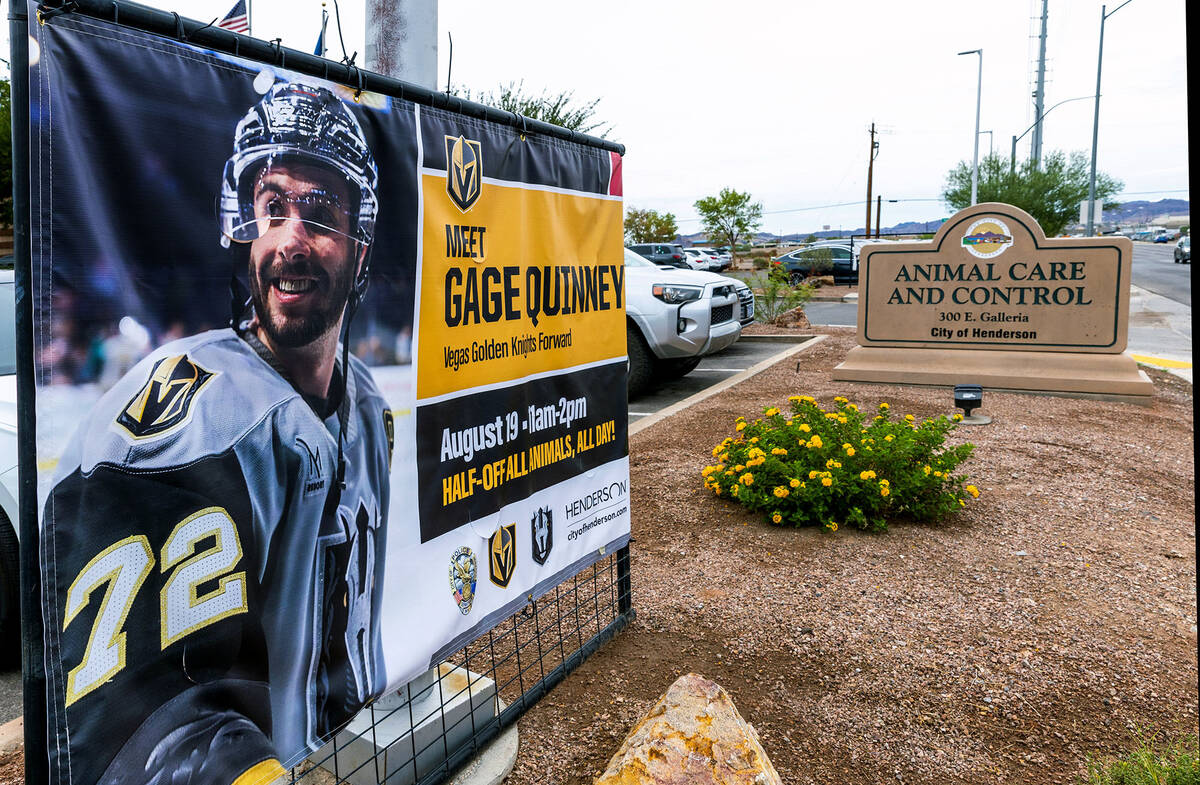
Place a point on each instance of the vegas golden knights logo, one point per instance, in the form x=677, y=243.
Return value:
x=502, y=553
x=165, y=401
x=464, y=171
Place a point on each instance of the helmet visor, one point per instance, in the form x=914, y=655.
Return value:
x=289, y=196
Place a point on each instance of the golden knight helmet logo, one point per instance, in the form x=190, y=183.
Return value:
x=165, y=401
x=502, y=550
x=464, y=171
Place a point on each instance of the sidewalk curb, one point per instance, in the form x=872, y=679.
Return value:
x=12, y=735
x=724, y=385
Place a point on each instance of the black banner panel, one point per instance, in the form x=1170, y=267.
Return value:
x=319, y=372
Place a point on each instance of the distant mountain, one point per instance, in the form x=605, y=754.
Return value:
x=1146, y=212
x=1140, y=212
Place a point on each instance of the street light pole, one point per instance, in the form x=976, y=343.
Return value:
x=1012, y=165
x=1091, y=209
x=978, y=105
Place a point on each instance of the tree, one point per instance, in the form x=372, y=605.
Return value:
x=558, y=109
x=6, y=184
x=729, y=216
x=649, y=226
x=1050, y=193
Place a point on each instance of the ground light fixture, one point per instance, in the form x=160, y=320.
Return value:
x=969, y=397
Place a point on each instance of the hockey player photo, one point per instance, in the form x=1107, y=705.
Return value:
x=214, y=538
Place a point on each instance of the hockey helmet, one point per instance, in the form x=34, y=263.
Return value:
x=299, y=122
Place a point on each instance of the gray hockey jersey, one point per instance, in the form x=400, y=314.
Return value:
x=206, y=616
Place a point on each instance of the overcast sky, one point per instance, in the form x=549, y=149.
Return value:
x=775, y=98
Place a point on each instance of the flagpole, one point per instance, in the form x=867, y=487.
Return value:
x=249, y=18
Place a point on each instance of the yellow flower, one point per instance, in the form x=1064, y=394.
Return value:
x=908, y=418
x=842, y=419
x=808, y=399
x=793, y=399
x=803, y=485
x=850, y=451
x=741, y=426
x=887, y=438
x=746, y=479
x=852, y=407
x=805, y=427
x=739, y=467
x=879, y=418
x=826, y=481
x=772, y=412
x=781, y=492
x=717, y=489
x=776, y=518
x=962, y=503
x=795, y=483
x=883, y=407
x=971, y=489
x=789, y=422
x=723, y=457
x=937, y=474
x=957, y=417
x=707, y=470
x=884, y=483
x=815, y=441
x=733, y=490
x=812, y=475
x=778, y=451
x=730, y=472
x=884, y=491
x=840, y=399
x=832, y=526
x=754, y=440
x=927, y=470
x=866, y=474
x=831, y=415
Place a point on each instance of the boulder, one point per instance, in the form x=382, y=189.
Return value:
x=693, y=736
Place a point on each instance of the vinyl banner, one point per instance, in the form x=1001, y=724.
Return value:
x=328, y=383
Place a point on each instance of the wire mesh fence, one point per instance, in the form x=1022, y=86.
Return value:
x=432, y=726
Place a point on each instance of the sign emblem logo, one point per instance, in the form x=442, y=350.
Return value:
x=464, y=171
x=542, y=529
x=165, y=401
x=463, y=572
x=502, y=552
x=987, y=238
x=313, y=481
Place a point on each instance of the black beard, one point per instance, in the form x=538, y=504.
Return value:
x=299, y=333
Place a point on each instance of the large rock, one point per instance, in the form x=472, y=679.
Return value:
x=693, y=736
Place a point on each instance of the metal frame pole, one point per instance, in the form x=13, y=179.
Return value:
x=978, y=107
x=32, y=661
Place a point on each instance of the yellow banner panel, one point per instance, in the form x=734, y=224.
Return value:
x=524, y=281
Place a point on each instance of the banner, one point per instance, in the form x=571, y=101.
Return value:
x=328, y=384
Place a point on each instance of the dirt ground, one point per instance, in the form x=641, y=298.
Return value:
x=1051, y=619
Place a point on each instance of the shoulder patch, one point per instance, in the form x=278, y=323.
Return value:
x=165, y=401
x=389, y=427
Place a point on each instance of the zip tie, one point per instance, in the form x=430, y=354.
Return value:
x=45, y=14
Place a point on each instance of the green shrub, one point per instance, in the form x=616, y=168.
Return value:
x=779, y=296
x=837, y=467
x=1177, y=763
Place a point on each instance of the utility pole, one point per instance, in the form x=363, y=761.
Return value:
x=1091, y=209
x=870, y=172
x=978, y=105
x=878, y=213
x=402, y=40
x=1039, y=95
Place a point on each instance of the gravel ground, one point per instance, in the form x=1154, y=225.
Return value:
x=1049, y=620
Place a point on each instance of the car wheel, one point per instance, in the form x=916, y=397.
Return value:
x=795, y=278
x=641, y=362
x=10, y=596
x=676, y=369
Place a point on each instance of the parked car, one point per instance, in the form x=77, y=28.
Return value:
x=702, y=260
x=1165, y=237
x=720, y=260
x=1183, y=250
x=9, y=564
x=803, y=263
x=670, y=254
x=674, y=319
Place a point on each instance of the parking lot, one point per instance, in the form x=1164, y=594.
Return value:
x=716, y=368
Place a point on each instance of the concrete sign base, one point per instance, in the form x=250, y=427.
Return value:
x=1112, y=375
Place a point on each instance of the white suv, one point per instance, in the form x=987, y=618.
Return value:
x=675, y=318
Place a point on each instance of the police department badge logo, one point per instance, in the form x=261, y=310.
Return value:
x=502, y=555
x=165, y=401
x=542, y=529
x=464, y=171
x=463, y=571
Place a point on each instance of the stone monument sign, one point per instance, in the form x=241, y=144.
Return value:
x=992, y=301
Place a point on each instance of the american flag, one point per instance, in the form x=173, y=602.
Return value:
x=236, y=20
